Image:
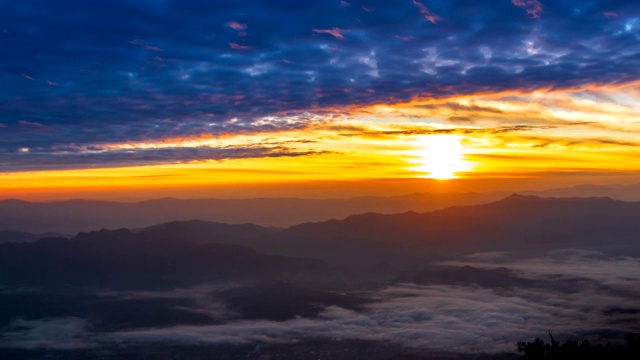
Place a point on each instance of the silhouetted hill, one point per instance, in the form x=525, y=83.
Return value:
x=495, y=278
x=124, y=259
x=526, y=225
x=73, y=216
x=522, y=224
x=469, y=275
x=22, y=236
x=282, y=301
x=202, y=231
x=628, y=192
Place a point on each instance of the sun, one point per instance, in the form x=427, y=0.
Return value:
x=440, y=156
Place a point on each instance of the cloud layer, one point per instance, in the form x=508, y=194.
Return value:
x=111, y=72
x=600, y=304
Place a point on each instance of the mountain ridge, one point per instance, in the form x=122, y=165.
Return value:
x=75, y=215
x=124, y=259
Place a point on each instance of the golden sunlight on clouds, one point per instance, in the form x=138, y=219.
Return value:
x=472, y=137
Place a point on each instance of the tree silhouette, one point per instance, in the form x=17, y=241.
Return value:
x=538, y=349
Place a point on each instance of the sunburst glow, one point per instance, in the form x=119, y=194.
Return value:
x=441, y=157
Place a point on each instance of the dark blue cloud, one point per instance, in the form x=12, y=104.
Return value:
x=66, y=158
x=107, y=71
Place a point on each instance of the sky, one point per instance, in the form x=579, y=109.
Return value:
x=142, y=98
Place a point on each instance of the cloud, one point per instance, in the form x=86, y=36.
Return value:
x=237, y=46
x=29, y=123
x=458, y=318
x=448, y=318
x=83, y=159
x=201, y=295
x=600, y=301
x=533, y=7
x=414, y=130
x=619, y=272
x=239, y=27
x=552, y=141
x=142, y=45
x=426, y=13
x=53, y=334
x=335, y=32
x=173, y=67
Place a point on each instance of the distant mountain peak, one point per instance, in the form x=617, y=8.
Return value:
x=529, y=199
x=516, y=198
x=104, y=234
x=14, y=201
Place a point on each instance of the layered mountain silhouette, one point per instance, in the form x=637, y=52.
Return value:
x=17, y=236
x=116, y=291
x=124, y=259
x=73, y=216
x=520, y=224
x=185, y=252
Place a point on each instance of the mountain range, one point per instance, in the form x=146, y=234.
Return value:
x=487, y=274
x=186, y=250
x=73, y=216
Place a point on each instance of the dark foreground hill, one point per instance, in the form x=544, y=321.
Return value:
x=17, y=236
x=123, y=259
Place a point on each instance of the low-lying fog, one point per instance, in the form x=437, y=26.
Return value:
x=451, y=307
